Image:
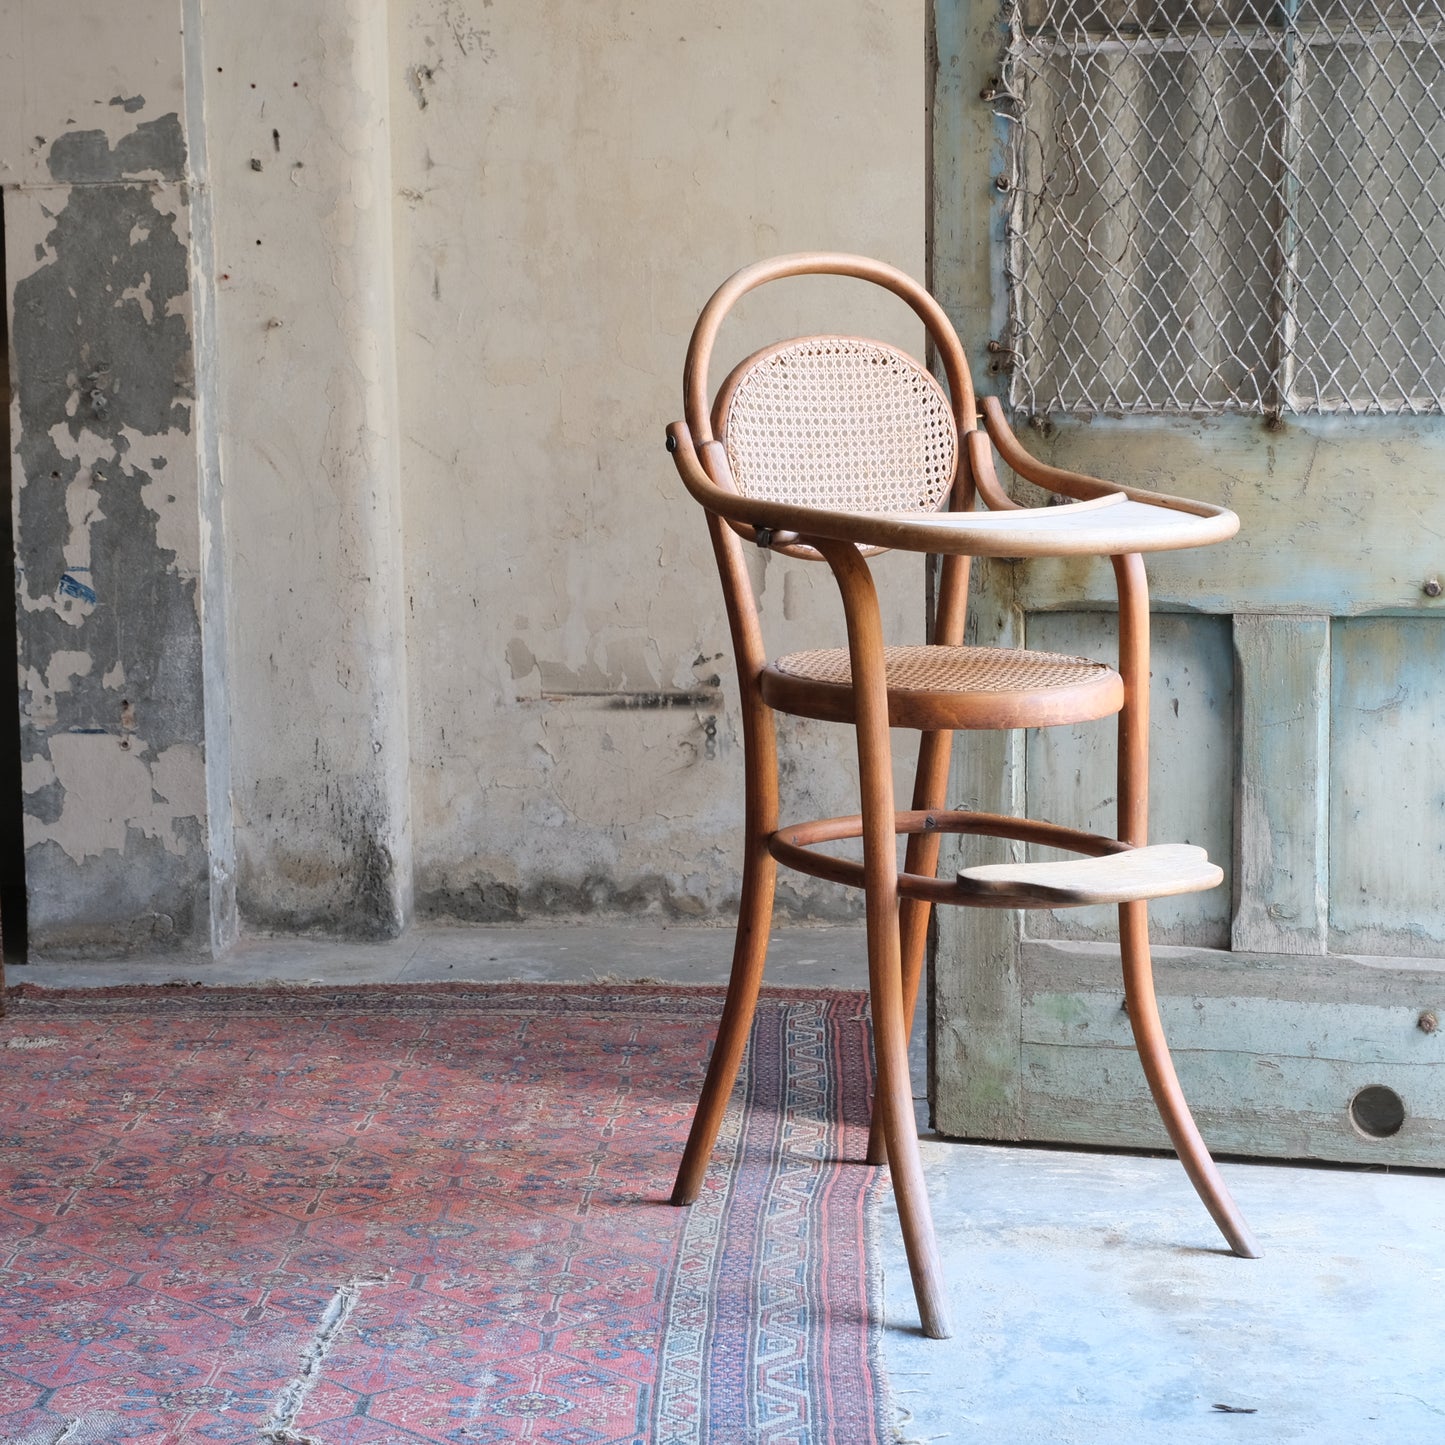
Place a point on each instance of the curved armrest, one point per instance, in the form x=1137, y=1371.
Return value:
x=1117, y=522
x=1051, y=479
x=1075, y=484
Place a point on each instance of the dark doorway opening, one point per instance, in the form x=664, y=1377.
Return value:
x=12, y=807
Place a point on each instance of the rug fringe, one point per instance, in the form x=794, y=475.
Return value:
x=182, y=990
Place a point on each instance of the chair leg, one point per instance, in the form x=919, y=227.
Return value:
x=1164, y=1083
x=893, y=1103
x=750, y=949
x=921, y=856
x=913, y=916
x=894, y=1097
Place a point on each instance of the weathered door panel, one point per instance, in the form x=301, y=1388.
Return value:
x=1387, y=786
x=1069, y=772
x=1342, y=516
x=1298, y=671
x=1270, y=1050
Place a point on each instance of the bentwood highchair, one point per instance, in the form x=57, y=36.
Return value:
x=835, y=448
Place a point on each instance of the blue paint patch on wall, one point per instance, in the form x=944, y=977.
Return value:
x=72, y=586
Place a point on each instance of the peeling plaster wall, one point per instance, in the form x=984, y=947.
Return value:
x=572, y=181
x=67, y=66
x=93, y=158
x=414, y=280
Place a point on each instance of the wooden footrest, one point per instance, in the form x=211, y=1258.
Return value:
x=1155, y=872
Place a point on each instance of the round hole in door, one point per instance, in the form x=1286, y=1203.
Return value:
x=1377, y=1112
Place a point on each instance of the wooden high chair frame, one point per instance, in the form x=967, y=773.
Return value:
x=838, y=447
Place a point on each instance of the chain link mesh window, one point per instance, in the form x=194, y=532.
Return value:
x=1226, y=205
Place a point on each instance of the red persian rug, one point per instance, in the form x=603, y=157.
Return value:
x=430, y=1213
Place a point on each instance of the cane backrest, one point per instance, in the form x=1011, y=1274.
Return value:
x=841, y=423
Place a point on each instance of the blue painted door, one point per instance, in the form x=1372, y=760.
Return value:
x=1298, y=671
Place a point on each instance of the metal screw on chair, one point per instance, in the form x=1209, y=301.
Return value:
x=1431, y=587
x=1428, y=1022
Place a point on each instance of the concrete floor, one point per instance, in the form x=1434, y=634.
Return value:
x=1093, y=1301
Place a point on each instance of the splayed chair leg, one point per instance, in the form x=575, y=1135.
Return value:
x=894, y=1099
x=750, y=949
x=893, y=1108
x=1164, y=1083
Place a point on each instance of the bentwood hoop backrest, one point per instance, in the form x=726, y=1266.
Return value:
x=838, y=422
x=696, y=392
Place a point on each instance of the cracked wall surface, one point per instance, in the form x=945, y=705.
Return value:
x=353, y=579
x=571, y=184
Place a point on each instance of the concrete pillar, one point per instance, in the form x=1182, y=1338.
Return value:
x=297, y=116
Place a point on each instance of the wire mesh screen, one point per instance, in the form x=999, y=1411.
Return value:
x=1226, y=205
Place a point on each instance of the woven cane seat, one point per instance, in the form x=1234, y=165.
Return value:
x=951, y=687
